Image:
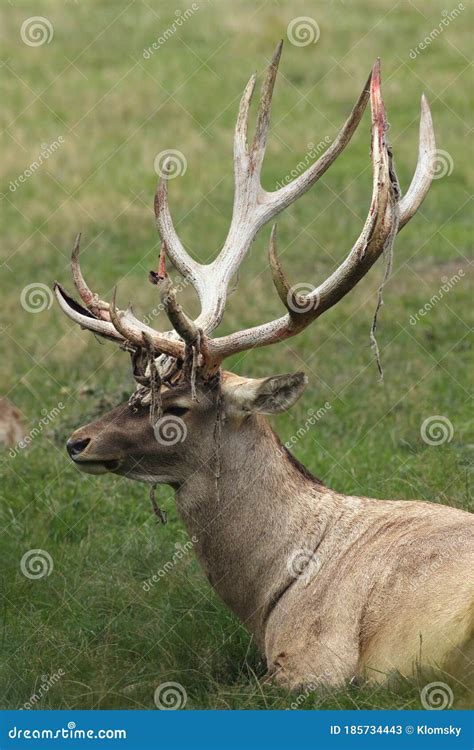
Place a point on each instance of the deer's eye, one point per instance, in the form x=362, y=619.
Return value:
x=177, y=411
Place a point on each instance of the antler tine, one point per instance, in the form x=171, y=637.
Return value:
x=183, y=325
x=176, y=252
x=281, y=198
x=132, y=330
x=241, y=127
x=377, y=235
x=424, y=172
x=293, y=302
x=83, y=317
x=97, y=306
x=263, y=117
x=253, y=206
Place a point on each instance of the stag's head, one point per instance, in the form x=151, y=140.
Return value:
x=183, y=397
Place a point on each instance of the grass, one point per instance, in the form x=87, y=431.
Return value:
x=116, y=110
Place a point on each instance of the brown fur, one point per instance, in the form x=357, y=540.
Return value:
x=388, y=586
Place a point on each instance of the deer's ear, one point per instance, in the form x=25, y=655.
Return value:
x=266, y=396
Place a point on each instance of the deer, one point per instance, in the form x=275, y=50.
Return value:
x=333, y=588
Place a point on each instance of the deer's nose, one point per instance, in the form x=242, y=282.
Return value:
x=75, y=447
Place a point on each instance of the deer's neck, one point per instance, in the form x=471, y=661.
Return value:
x=263, y=508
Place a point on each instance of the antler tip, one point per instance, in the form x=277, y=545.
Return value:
x=75, y=249
x=375, y=78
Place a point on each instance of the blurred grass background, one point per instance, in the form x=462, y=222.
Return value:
x=116, y=110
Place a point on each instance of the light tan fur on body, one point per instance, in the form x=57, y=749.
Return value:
x=332, y=587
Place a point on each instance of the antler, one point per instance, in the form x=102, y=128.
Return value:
x=253, y=207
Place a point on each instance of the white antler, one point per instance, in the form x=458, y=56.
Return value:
x=253, y=207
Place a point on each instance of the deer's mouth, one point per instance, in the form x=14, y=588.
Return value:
x=96, y=467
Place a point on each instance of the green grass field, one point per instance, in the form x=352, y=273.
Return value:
x=112, y=110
